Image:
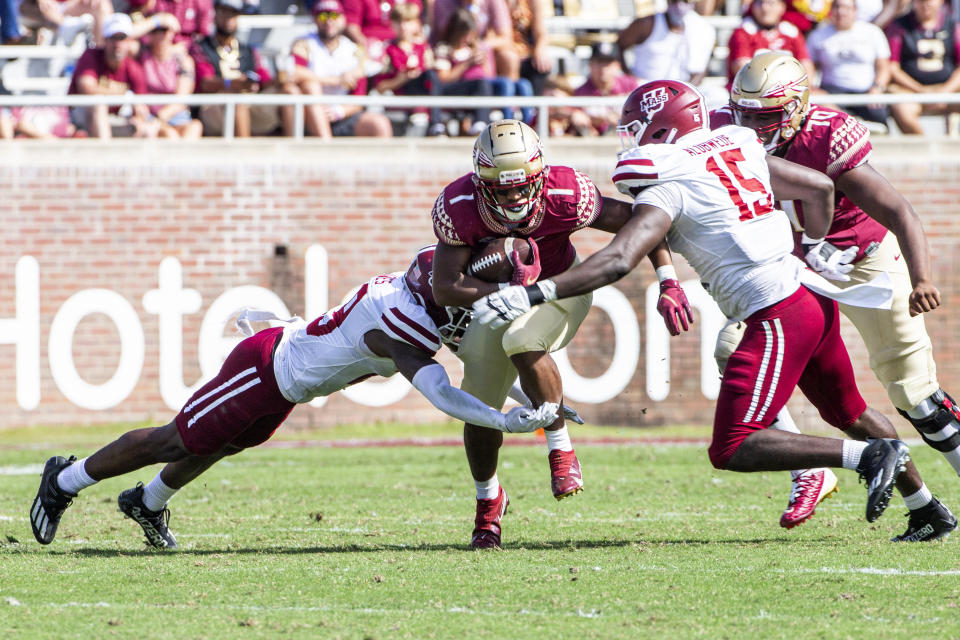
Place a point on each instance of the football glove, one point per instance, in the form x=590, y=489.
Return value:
x=569, y=413
x=526, y=274
x=674, y=307
x=500, y=308
x=828, y=260
x=525, y=420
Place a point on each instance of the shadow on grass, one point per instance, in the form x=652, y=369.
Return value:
x=543, y=545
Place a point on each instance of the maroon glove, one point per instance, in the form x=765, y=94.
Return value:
x=674, y=308
x=526, y=274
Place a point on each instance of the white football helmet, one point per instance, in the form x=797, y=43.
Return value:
x=507, y=156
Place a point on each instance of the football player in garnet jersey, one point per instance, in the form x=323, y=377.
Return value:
x=513, y=192
x=711, y=193
x=874, y=229
x=390, y=324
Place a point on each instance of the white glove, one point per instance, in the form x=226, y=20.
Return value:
x=524, y=420
x=569, y=413
x=828, y=260
x=501, y=308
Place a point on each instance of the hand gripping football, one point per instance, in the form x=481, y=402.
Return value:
x=493, y=263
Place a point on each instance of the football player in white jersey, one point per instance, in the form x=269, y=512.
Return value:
x=710, y=193
x=391, y=324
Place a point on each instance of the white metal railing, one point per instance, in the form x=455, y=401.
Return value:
x=543, y=104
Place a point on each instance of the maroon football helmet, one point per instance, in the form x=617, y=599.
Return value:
x=661, y=111
x=451, y=321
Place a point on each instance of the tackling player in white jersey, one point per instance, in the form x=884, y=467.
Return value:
x=391, y=324
x=711, y=194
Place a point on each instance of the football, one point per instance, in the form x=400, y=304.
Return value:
x=492, y=263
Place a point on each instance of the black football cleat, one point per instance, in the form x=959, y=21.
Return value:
x=154, y=523
x=51, y=500
x=882, y=461
x=931, y=522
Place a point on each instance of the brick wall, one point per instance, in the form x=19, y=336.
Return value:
x=104, y=217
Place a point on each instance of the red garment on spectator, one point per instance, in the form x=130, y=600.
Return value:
x=127, y=77
x=399, y=60
x=749, y=38
x=195, y=16
x=623, y=85
x=373, y=16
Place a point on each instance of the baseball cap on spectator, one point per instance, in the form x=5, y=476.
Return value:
x=236, y=5
x=117, y=23
x=604, y=52
x=327, y=6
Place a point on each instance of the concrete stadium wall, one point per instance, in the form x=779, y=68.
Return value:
x=119, y=263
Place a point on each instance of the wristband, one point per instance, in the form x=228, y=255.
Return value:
x=805, y=239
x=666, y=272
x=155, y=21
x=226, y=83
x=545, y=291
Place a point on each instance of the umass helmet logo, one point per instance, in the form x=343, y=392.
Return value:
x=652, y=101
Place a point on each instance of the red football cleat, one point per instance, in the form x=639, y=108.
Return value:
x=565, y=476
x=810, y=488
x=486, y=532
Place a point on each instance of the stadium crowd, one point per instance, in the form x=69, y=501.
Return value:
x=496, y=48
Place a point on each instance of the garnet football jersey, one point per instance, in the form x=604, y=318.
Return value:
x=571, y=201
x=325, y=355
x=715, y=186
x=831, y=142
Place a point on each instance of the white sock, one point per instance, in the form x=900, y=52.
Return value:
x=559, y=439
x=852, y=450
x=488, y=489
x=74, y=478
x=157, y=494
x=919, y=499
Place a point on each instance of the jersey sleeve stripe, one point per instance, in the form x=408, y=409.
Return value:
x=400, y=333
x=416, y=326
x=635, y=176
x=642, y=162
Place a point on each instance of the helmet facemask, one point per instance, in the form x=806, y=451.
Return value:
x=495, y=193
x=451, y=332
x=771, y=95
x=774, y=126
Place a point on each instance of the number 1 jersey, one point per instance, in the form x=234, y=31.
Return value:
x=715, y=186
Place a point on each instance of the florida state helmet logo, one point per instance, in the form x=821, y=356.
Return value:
x=652, y=101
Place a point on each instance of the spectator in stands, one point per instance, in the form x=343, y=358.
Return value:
x=881, y=12
x=925, y=58
x=806, y=15
x=6, y=124
x=853, y=57
x=46, y=123
x=529, y=19
x=675, y=44
x=764, y=28
x=9, y=26
x=464, y=65
x=561, y=118
x=168, y=69
x=606, y=78
x=111, y=71
x=67, y=19
x=195, y=17
x=328, y=62
x=226, y=65
x=370, y=26
x=410, y=67
x=493, y=26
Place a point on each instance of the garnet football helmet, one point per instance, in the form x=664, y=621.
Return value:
x=771, y=95
x=661, y=111
x=451, y=321
x=507, y=156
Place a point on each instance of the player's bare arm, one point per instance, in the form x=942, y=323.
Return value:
x=643, y=232
x=614, y=213
x=871, y=192
x=451, y=285
x=791, y=181
x=429, y=378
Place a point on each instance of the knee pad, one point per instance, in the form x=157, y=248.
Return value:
x=947, y=412
x=727, y=342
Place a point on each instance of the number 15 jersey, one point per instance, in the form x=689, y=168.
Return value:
x=715, y=186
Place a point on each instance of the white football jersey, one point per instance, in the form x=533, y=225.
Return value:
x=323, y=356
x=715, y=185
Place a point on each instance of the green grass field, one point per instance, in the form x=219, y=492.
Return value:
x=318, y=542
